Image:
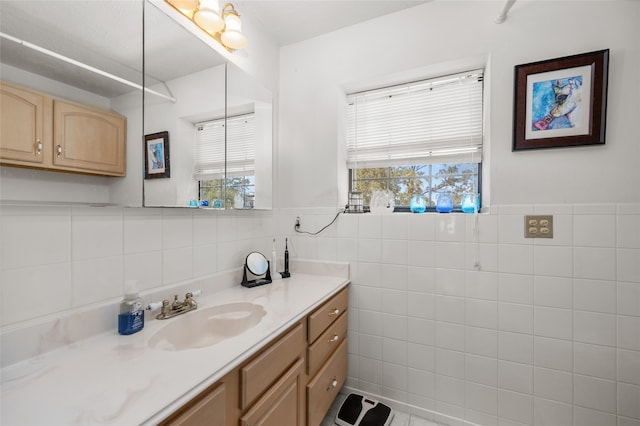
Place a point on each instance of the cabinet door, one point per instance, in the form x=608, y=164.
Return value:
x=283, y=404
x=207, y=409
x=324, y=387
x=88, y=141
x=260, y=373
x=22, y=125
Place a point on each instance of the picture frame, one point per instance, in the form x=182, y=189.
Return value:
x=156, y=156
x=561, y=102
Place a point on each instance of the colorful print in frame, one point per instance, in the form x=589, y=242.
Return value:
x=156, y=155
x=561, y=102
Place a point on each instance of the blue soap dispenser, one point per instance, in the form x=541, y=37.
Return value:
x=131, y=313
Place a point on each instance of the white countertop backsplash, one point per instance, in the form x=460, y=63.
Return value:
x=78, y=370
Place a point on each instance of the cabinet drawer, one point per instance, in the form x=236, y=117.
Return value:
x=283, y=404
x=326, y=314
x=206, y=409
x=324, y=346
x=324, y=387
x=264, y=370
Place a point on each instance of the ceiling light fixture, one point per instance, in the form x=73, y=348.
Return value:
x=223, y=25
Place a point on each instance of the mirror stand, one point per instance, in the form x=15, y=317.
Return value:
x=258, y=281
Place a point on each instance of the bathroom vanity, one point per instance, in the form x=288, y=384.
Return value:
x=285, y=369
x=291, y=381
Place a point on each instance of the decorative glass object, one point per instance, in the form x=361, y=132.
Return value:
x=355, y=202
x=470, y=203
x=444, y=203
x=382, y=202
x=418, y=204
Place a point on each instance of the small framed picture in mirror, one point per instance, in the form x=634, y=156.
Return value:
x=156, y=155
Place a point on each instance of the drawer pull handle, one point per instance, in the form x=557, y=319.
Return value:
x=333, y=384
x=59, y=151
x=336, y=311
x=335, y=338
x=38, y=146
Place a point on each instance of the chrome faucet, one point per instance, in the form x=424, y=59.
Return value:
x=175, y=308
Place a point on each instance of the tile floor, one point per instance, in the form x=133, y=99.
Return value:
x=400, y=419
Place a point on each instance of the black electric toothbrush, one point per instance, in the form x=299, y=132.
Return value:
x=286, y=273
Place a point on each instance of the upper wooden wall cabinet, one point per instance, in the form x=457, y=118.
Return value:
x=44, y=133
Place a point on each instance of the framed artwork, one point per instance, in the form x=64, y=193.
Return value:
x=561, y=102
x=156, y=156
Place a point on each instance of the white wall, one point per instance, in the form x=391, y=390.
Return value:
x=544, y=333
x=314, y=73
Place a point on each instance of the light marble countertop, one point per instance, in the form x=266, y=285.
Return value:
x=119, y=380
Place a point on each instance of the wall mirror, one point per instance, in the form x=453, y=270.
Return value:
x=85, y=52
x=217, y=119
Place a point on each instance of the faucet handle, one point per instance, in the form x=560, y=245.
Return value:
x=154, y=305
x=197, y=292
x=190, y=301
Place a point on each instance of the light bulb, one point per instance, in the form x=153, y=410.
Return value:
x=185, y=6
x=232, y=37
x=208, y=16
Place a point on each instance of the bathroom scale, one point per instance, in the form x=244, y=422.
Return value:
x=356, y=410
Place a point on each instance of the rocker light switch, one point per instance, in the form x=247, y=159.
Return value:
x=540, y=226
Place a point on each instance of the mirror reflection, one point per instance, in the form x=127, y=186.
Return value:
x=218, y=120
x=87, y=56
x=257, y=263
x=192, y=76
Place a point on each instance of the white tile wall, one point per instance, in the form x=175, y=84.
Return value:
x=553, y=353
x=542, y=332
x=551, y=413
x=67, y=258
x=476, y=322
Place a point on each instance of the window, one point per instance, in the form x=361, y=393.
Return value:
x=225, y=171
x=423, y=137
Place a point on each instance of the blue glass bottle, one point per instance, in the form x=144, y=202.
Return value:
x=470, y=203
x=418, y=204
x=444, y=203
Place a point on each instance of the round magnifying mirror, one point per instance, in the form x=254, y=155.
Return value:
x=256, y=263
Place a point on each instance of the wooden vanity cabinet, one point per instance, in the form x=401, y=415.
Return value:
x=43, y=133
x=283, y=404
x=208, y=408
x=327, y=355
x=215, y=406
x=291, y=382
x=263, y=370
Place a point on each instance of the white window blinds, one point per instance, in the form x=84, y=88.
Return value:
x=430, y=121
x=240, y=148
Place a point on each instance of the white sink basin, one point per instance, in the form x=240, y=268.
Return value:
x=207, y=326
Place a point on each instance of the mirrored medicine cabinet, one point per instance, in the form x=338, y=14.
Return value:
x=218, y=119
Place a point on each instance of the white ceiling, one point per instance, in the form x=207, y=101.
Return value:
x=106, y=34
x=291, y=21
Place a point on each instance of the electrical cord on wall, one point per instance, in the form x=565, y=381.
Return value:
x=296, y=227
